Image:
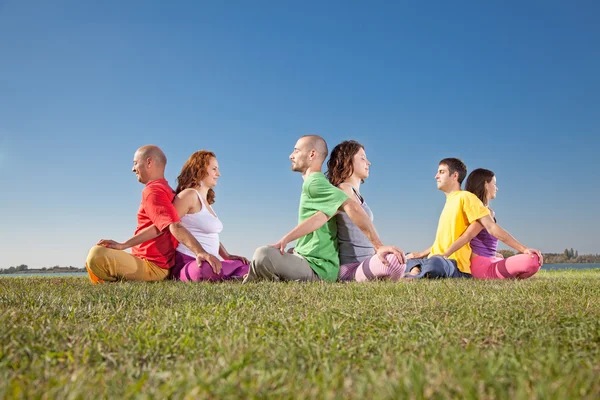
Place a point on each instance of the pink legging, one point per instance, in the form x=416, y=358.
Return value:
x=372, y=268
x=520, y=266
x=186, y=269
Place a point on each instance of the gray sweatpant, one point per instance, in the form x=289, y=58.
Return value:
x=268, y=263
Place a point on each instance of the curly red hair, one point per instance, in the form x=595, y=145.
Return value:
x=339, y=166
x=194, y=170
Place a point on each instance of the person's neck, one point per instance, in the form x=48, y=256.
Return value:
x=155, y=178
x=452, y=190
x=354, y=181
x=310, y=170
x=203, y=190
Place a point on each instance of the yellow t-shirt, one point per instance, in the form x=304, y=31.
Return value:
x=461, y=209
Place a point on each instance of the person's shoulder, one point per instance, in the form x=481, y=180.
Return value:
x=471, y=201
x=317, y=177
x=466, y=195
x=187, y=193
x=158, y=187
x=348, y=189
x=189, y=196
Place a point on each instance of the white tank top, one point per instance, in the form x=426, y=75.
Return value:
x=205, y=227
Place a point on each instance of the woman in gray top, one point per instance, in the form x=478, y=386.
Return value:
x=347, y=169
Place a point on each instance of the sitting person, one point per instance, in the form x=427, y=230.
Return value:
x=157, y=233
x=195, y=195
x=347, y=169
x=486, y=263
x=462, y=208
x=315, y=257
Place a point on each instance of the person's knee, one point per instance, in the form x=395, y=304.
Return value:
x=530, y=266
x=435, y=267
x=395, y=268
x=263, y=254
x=534, y=261
x=392, y=260
x=96, y=254
x=436, y=263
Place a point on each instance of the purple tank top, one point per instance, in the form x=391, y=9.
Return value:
x=484, y=244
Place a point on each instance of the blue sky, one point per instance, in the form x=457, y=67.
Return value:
x=509, y=86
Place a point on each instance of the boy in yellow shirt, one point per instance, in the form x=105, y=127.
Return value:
x=462, y=208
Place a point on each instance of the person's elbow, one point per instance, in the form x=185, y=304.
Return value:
x=351, y=207
x=322, y=218
x=175, y=227
x=497, y=232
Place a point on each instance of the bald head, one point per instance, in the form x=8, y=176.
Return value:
x=317, y=143
x=153, y=152
x=149, y=163
x=309, y=154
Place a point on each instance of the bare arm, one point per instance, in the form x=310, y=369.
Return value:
x=419, y=254
x=142, y=236
x=499, y=233
x=307, y=226
x=346, y=188
x=360, y=218
x=182, y=203
x=185, y=201
x=188, y=240
x=226, y=256
x=472, y=231
x=223, y=252
x=362, y=221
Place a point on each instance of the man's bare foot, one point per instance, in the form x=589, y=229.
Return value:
x=414, y=271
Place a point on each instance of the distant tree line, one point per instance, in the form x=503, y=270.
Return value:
x=569, y=256
x=20, y=269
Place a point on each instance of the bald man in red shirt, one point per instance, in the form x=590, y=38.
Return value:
x=158, y=231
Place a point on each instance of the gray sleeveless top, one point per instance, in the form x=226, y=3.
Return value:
x=353, y=243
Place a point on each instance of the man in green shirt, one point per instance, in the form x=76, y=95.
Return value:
x=316, y=254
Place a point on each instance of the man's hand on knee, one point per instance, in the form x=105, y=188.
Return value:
x=111, y=244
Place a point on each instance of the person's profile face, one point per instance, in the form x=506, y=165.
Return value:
x=360, y=164
x=491, y=189
x=140, y=168
x=299, y=156
x=442, y=177
x=212, y=174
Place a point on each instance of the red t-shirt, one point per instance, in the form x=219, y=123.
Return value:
x=157, y=209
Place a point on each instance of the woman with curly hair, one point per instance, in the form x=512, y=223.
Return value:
x=194, y=198
x=347, y=169
x=486, y=263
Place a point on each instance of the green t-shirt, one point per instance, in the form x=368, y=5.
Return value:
x=320, y=248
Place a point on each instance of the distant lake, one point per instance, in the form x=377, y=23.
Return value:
x=547, y=267
x=569, y=266
x=44, y=274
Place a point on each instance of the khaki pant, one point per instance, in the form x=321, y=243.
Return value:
x=109, y=265
x=268, y=263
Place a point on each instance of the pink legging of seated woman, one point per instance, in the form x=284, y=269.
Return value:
x=186, y=269
x=372, y=268
x=520, y=266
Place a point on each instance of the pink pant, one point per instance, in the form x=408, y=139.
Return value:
x=520, y=266
x=372, y=268
x=186, y=269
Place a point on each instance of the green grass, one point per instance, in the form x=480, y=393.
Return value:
x=538, y=338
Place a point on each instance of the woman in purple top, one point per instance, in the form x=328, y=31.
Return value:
x=486, y=263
